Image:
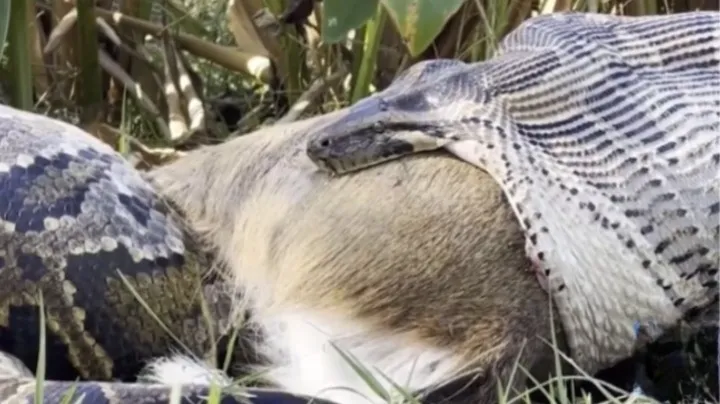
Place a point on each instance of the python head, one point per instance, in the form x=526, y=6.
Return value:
x=417, y=112
x=364, y=138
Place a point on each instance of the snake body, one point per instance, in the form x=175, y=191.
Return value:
x=604, y=133
x=81, y=228
x=17, y=386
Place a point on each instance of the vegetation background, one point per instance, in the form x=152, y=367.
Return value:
x=156, y=78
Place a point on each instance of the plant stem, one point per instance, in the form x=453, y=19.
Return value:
x=19, y=56
x=90, y=91
x=358, y=54
x=373, y=35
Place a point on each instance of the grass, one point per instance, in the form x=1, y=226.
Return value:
x=553, y=389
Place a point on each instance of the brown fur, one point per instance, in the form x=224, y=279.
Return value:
x=424, y=247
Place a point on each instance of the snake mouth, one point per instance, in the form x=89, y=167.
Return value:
x=336, y=166
x=354, y=151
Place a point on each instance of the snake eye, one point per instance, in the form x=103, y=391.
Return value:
x=325, y=143
x=378, y=127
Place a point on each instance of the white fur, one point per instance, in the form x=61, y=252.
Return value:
x=12, y=367
x=300, y=345
x=304, y=361
x=181, y=369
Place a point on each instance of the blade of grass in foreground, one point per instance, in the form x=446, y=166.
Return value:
x=40, y=372
x=69, y=395
x=364, y=373
x=4, y=24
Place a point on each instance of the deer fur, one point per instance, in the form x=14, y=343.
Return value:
x=416, y=267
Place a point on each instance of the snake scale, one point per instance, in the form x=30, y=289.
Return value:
x=604, y=133
x=79, y=225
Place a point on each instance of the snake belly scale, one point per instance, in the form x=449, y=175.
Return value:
x=604, y=133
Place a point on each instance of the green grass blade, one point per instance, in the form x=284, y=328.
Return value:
x=364, y=373
x=91, y=91
x=152, y=314
x=406, y=395
x=68, y=395
x=373, y=34
x=40, y=372
x=4, y=24
x=21, y=86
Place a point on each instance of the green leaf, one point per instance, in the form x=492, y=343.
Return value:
x=420, y=21
x=340, y=16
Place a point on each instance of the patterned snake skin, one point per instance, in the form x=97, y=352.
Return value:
x=18, y=387
x=73, y=215
x=604, y=132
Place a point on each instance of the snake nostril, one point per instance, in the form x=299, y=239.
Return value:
x=324, y=143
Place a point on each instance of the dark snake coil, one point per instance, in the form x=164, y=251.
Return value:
x=74, y=216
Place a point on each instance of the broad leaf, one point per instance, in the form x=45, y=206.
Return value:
x=341, y=16
x=420, y=21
